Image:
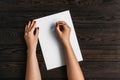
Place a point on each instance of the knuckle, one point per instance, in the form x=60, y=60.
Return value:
x=69, y=29
x=29, y=32
x=25, y=34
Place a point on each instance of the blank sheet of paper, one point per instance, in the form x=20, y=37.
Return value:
x=51, y=46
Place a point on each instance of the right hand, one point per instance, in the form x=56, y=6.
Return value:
x=63, y=31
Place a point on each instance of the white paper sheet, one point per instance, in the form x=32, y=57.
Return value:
x=52, y=49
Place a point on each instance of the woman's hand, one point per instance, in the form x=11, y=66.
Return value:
x=31, y=36
x=63, y=31
x=74, y=71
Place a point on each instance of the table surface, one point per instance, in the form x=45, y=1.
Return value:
x=97, y=25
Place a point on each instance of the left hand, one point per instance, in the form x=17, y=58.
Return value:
x=31, y=38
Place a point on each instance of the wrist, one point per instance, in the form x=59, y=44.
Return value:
x=66, y=44
x=31, y=51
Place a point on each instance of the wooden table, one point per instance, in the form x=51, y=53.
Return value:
x=97, y=25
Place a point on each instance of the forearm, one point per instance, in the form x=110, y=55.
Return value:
x=74, y=71
x=32, y=69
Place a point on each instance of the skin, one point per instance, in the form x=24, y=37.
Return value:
x=32, y=68
x=74, y=71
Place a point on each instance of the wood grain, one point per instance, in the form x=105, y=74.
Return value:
x=97, y=26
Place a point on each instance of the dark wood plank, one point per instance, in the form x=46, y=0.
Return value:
x=101, y=55
x=107, y=38
x=91, y=70
x=97, y=25
x=19, y=55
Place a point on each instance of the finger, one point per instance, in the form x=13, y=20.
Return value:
x=61, y=22
x=58, y=28
x=37, y=32
x=26, y=28
x=33, y=25
x=29, y=24
x=64, y=24
x=25, y=31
